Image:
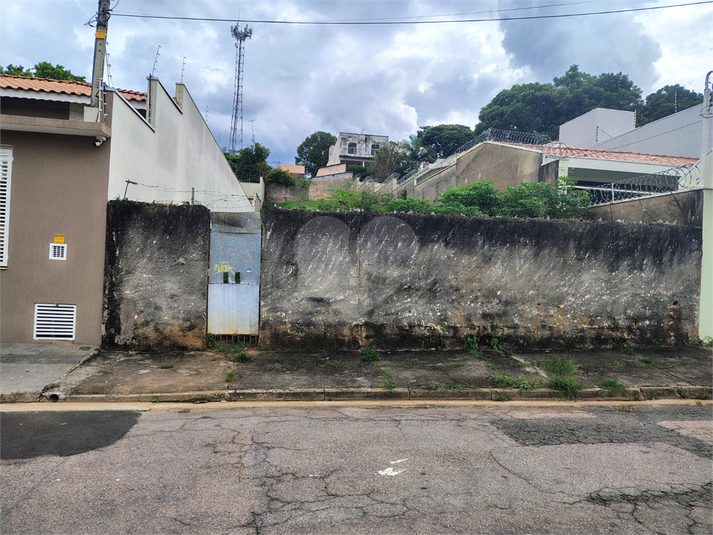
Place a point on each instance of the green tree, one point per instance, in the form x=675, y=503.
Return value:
x=668, y=100
x=480, y=195
x=417, y=152
x=250, y=163
x=390, y=159
x=445, y=139
x=359, y=171
x=279, y=176
x=544, y=107
x=43, y=69
x=313, y=152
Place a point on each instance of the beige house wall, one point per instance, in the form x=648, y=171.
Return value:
x=685, y=208
x=73, y=203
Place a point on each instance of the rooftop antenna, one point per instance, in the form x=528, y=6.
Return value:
x=183, y=70
x=108, y=69
x=155, y=61
x=236, y=129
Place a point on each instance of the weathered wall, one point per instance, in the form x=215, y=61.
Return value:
x=282, y=192
x=404, y=281
x=155, y=277
x=685, y=208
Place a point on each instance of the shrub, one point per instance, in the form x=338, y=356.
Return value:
x=480, y=195
x=279, y=176
x=369, y=355
x=557, y=366
x=613, y=385
x=567, y=385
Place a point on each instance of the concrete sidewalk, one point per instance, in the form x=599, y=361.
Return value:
x=25, y=369
x=53, y=372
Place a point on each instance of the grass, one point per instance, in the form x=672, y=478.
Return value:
x=568, y=385
x=646, y=361
x=558, y=366
x=612, y=365
x=235, y=351
x=166, y=366
x=505, y=381
x=369, y=355
x=389, y=384
x=242, y=356
x=624, y=408
x=230, y=376
x=613, y=385
x=451, y=385
x=627, y=350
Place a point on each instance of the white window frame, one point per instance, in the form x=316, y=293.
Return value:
x=5, y=190
x=58, y=251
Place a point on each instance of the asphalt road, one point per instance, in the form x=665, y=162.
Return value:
x=419, y=469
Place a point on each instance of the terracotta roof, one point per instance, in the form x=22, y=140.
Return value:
x=615, y=155
x=67, y=87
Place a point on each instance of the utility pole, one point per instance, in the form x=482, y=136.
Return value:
x=99, y=51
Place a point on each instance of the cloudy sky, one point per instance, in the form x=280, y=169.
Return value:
x=378, y=79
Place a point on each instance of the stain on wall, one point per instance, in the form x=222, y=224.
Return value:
x=155, y=276
x=347, y=280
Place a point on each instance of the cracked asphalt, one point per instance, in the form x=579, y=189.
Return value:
x=582, y=468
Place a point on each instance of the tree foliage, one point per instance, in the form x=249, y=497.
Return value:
x=388, y=160
x=313, y=152
x=43, y=69
x=417, y=152
x=445, y=139
x=668, y=100
x=359, y=171
x=250, y=163
x=544, y=107
x=280, y=176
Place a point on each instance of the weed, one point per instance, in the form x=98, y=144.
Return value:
x=613, y=385
x=242, y=356
x=646, y=361
x=492, y=367
x=503, y=397
x=369, y=355
x=613, y=365
x=557, y=366
x=498, y=342
x=704, y=394
x=567, y=385
x=389, y=384
x=627, y=350
x=526, y=364
x=213, y=359
x=230, y=376
x=454, y=364
x=699, y=403
x=624, y=408
x=166, y=366
x=505, y=381
x=471, y=346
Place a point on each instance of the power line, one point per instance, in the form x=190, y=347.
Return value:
x=412, y=22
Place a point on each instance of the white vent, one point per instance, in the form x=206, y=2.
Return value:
x=58, y=251
x=54, y=322
x=5, y=178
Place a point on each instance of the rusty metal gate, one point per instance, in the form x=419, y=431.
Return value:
x=234, y=286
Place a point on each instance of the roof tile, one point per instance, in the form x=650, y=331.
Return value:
x=67, y=87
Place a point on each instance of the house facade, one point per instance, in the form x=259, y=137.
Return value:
x=60, y=162
x=355, y=149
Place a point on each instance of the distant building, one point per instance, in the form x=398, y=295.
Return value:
x=596, y=126
x=355, y=149
x=297, y=171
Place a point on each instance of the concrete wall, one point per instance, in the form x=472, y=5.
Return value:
x=170, y=154
x=156, y=276
x=676, y=135
x=255, y=192
x=282, y=192
x=503, y=165
x=406, y=281
x=58, y=187
x=596, y=126
x=685, y=208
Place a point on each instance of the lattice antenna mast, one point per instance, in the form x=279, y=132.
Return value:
x=236, y=129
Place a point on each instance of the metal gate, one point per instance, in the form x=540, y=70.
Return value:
x=234, y=286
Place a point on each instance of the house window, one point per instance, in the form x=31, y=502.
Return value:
x=374, y=149
x=5, y=179
x=351, y=148
x=54, y=322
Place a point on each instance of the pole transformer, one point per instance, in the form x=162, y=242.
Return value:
x=99, y=51
x=236, y=128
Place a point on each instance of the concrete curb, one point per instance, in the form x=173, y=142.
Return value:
x=353, y=394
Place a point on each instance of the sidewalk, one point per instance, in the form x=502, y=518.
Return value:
x=52, y=372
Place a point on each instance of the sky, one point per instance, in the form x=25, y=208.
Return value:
x=376, y=79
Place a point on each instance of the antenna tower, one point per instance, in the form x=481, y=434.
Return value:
x=236, y=129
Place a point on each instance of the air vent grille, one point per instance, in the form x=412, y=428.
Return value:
x=54, y=322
